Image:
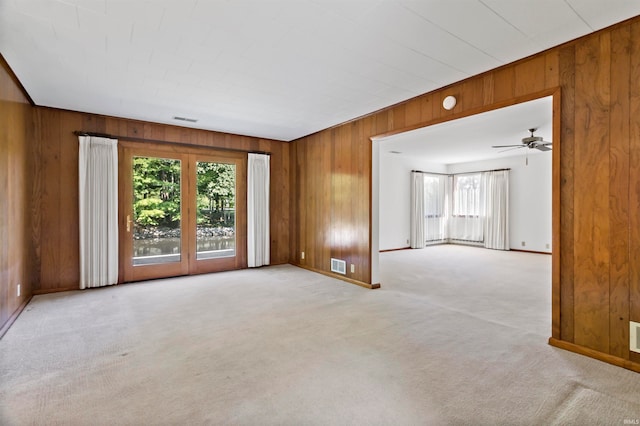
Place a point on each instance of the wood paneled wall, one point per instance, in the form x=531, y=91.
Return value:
x=15, y=228
x=596, y=282
x=56, y=196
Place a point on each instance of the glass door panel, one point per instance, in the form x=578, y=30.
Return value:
x=215, y=210
x=156, y=210
x=153, y=236
x=219, y=198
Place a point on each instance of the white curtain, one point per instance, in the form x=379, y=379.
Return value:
x=496, y=217
x=435, y=208
x=98, y=176
x=466, y=222
x=258, y=241
x=417, y=220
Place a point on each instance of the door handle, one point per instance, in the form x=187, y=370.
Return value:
x=129, y=222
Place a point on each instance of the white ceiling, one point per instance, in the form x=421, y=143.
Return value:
x=277, y=69
x=470, y=138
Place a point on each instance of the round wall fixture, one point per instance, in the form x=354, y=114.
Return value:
x=449, y=102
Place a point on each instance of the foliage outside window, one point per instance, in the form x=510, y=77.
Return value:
x=216, y=194
x=156, y=184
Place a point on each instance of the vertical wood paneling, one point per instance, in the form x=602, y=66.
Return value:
x=619, y=193
x=322, y=233
x=596, y=286
x=58, y=179
x=488, y=88
x=413, y=112
x=566, y=247
x=473, y=94
x=552, y=67
x=5, y=199
x=426, y=108
x=51, y=141
x=15, y=191
x=279, y=197
x=68, y=197
x=504, y=81
x=529, y=76
x=634, y=179
x=341, y=187
x=35, y=195
x=362, y=211
x=591, y=188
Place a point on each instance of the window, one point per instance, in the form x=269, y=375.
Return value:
x=466, y=195
x=434, y=195
x=435, y=208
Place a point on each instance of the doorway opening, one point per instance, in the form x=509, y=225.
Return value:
x=534, y=174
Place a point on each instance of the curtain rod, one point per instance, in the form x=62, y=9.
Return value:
x=463, y=173
x=136, y=139
x=431, y=173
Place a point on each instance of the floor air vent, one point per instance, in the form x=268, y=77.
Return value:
x=634, y=336
x=339, y=266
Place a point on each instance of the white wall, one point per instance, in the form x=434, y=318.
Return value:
x=530, y=194
x=529, y=197
x=395, y=198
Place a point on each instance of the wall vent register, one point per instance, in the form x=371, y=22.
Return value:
x=339, y=266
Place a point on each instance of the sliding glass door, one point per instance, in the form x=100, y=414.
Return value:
x=181, y=212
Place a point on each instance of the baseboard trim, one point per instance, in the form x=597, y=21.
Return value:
x=591, y=353
x=395, y=249
x=531, y=251
x=54, y=290
x=340, y=277
x=7, y=325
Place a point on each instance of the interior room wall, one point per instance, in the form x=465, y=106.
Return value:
x=529, y=202
x=55, y=196
x=596, y=288
x=16, y=261
x=395, y=196
x=530, y=195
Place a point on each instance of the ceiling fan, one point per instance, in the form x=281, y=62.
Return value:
x=531, y=142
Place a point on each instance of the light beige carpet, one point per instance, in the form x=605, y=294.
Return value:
x=456, y=335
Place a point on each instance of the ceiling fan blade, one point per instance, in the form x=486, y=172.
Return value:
x=507, y=146
x=543, y=147
x=510, y=149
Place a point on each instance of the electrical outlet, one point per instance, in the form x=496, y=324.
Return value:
x=18, y=291
x=353, y=268
x=548, y=246
x=407, y=241
x=302, y=255
x=524, y=244
x=634, y=336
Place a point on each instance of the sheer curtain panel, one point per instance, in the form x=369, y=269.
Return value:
x=496, y=220
x=417, y=220
x=466, y=222
x=258, y=242
x=435, y=208
x=98, y=186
